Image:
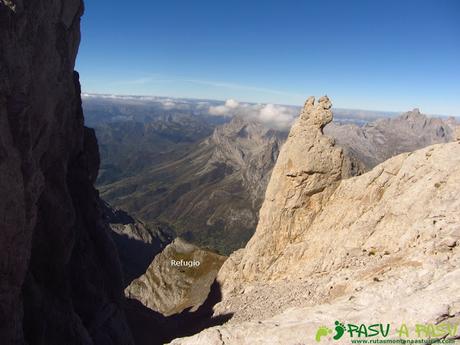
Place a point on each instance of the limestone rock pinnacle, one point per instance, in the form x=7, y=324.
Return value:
x=390, y=234
x=308, y=170
x=318, y=114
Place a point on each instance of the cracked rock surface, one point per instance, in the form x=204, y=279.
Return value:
x=383, y=246
x=60, y=277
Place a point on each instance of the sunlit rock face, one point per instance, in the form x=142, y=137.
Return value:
x=179, y=278
x=331, y=247
x=308, y=170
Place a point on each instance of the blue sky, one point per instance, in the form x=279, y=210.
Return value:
x=381, y=55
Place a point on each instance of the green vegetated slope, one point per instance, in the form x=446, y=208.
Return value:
x=129, y=147
x=209, y=192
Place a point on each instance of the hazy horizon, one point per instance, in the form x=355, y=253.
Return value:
x=150, y=97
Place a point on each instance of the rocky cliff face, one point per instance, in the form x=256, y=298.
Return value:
x=306, y=173
x=60, y=275
x=137, y=244
x=328, y=248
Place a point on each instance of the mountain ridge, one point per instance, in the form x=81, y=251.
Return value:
x=217, y=187
x=229, y=167
x=389, y=234
x=377, y=141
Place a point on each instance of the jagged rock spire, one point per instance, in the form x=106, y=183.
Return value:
x=317, y=114
x=308, y=170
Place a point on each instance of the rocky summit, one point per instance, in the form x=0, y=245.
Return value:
x=380, y=247
x=306, y=173
x=382, y=139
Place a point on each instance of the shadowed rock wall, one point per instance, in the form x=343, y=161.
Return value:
x=60, y=274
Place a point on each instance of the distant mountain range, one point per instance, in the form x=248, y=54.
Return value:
x=129, y=147
x=331, y=247
x=205, y=176
x=211, y=194
x=381, y=139
x=114, y=108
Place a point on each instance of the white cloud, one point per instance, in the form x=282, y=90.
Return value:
x=272, y=115
x=218, y=110
x=229, y=108
x=277, y=116
x=231, y=103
